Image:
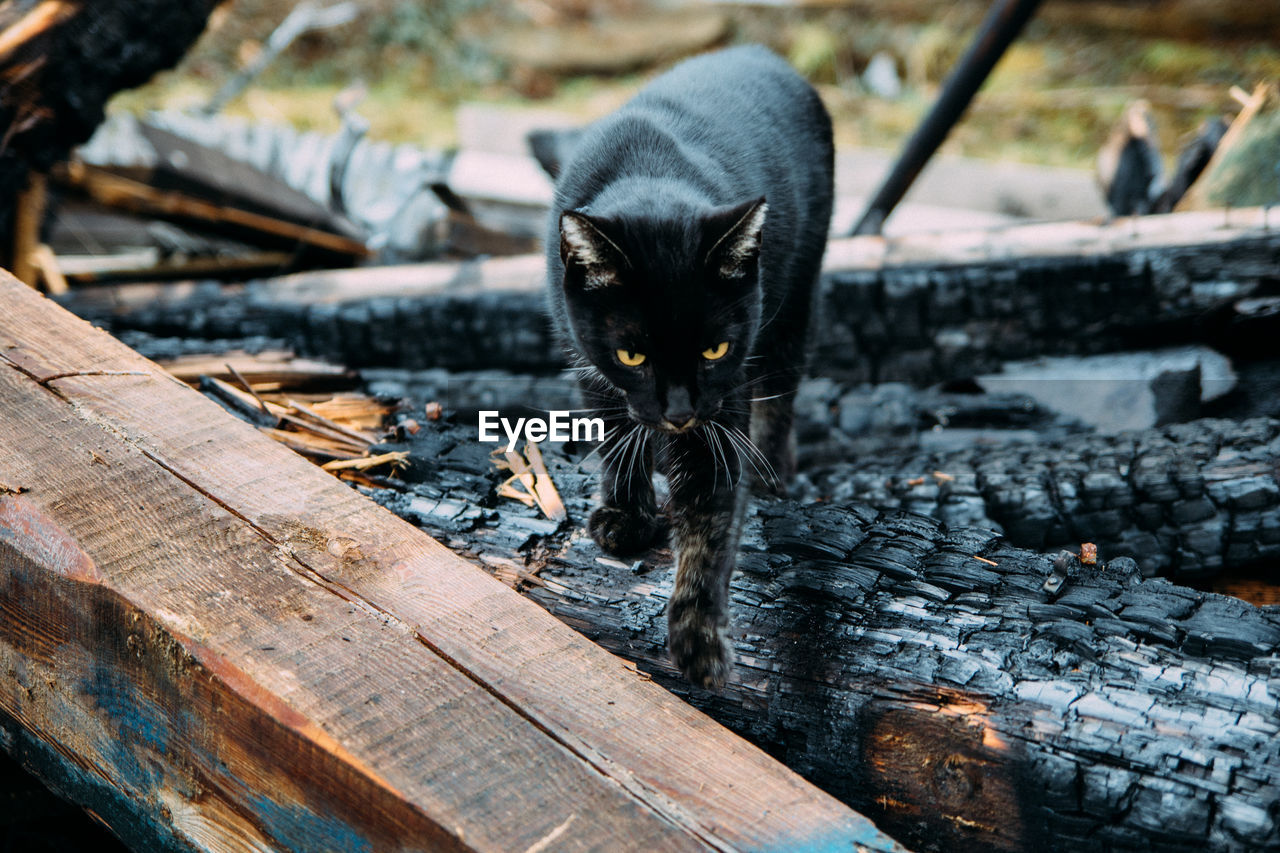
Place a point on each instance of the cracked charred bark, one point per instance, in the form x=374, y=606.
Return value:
x=1185, y=501
x=922, y=673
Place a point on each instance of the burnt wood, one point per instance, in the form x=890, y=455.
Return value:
x=213, y=644
x=916, y=309
x=62, y=60
x=926, y=674
x=191, y=184
x=302, y=240
x=1187, y=501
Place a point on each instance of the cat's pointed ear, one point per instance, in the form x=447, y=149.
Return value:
x=736, y=232
x=586, y=248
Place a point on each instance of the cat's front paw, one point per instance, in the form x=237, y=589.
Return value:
x=621, y=531
x=700, y=647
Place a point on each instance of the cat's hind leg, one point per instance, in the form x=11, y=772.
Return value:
x=627, y=520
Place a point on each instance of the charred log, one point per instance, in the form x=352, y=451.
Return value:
x=1185, y=501
x=833, y=419
x=62, y=60
x=910, y=310
x=968, y=694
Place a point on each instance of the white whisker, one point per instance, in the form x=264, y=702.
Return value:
x=747, y=449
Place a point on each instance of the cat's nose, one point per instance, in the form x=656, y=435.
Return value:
x=679, y=411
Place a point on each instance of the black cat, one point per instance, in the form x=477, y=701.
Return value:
x=685, y=242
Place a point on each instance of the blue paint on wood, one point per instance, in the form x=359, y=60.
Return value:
x=142, y=725
x=299, y=828
x=146, y=727
x=851, y=836
x=133, y=822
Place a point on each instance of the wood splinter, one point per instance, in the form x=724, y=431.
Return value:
x=364, y=463
x=532, y=473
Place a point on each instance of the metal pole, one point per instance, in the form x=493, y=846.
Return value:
x=997, y=31
x=303, y=18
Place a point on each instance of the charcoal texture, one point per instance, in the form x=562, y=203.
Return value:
x=1186, y=501
x=922, y=672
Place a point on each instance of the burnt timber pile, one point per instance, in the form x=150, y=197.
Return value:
x=968, y=690
x=964, y=693
x=918, y=309
x=1188, y=501
x=215, y=645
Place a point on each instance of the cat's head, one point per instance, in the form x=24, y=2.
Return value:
x=666, y=309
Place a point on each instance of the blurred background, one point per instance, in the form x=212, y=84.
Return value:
x=1051, y=101
x=388, y=114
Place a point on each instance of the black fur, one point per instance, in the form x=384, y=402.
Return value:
x=655, y=247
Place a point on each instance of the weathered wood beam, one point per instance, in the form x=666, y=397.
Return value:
x=274, y=369
x=215, y=645
x=146, y=265
x=928, y=675
x=920, y=308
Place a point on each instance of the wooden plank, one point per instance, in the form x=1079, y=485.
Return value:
x=34, y=23
x=195, y=170
x=28, y=215
x=46, y=266
x=134, y=196
x=459, y=711
x=274, y=368
x=147, y=266
x=161, y=613
x=1248, y=150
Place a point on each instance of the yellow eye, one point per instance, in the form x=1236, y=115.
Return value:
x=630, y=359
x=717, y=351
